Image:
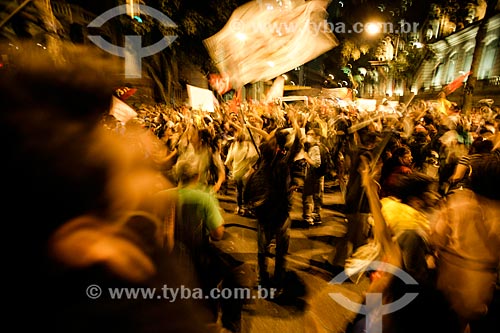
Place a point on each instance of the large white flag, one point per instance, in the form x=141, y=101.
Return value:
x=260, y=41
x=276, y=90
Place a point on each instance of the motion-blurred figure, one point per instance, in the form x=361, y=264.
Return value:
x=75, y=193
x=198, y=226
x=467, y=237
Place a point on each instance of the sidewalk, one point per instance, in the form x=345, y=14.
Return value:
x=308, y=306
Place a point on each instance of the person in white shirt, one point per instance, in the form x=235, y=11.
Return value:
x=241, y=156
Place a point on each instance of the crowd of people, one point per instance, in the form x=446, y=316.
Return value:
x=134, y=203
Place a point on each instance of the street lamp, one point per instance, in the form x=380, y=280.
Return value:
x=373, y=28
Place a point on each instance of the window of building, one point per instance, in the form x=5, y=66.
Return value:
x=436, y=79
x=488, y=59
x=468, y=59
x=56, y=8
x=451, y=65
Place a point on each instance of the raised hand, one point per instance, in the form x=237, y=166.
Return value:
x=365, y=172
x=381, y=232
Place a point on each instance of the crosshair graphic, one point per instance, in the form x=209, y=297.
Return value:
x=133, y=52
x=374, y=309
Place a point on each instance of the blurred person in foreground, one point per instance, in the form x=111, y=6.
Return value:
x=425, y=309
x=409, y=200
x=75, y=193
x=467, y=237
x=198, y=226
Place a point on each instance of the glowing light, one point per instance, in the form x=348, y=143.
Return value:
x=373, y=28
x=241, y=36
x=130, y=8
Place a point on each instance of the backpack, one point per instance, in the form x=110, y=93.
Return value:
x=256, y=189
x=327, y=166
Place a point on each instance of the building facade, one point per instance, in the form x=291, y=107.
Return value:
x=451, y=57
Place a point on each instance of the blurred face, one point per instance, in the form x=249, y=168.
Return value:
x=406, y=159
x=131, y=178
x=311, y=137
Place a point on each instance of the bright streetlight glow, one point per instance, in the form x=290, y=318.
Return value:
x=373, y=28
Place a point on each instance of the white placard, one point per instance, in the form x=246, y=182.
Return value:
x=121, y=110
x=201, y=99
x=365, y=104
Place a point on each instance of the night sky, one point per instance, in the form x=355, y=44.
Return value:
x=346, y=11
x=355, y=9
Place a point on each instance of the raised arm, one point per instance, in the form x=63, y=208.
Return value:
x=381, y=232
x=259, y=131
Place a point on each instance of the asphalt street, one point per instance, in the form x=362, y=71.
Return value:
x=306, y=305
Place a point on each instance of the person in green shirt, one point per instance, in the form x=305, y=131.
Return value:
x=198, y=225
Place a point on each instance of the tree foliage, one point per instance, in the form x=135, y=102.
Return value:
x=357, y=49
x=195, y=21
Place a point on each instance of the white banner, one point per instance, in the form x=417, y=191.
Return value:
x=201, y=99
x=260, y=42
x=365, y=104
x=121, y=110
